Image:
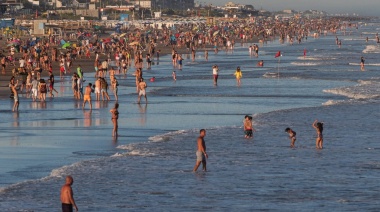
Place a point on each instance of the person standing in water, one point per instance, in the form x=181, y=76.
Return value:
x=362, y=60
x=238, y=76
x=67, y=196
x=15, y=96
x=248, y=128
x=87, y=95
x=215, y=73
x=142, y=91
x=292, y=136
x=201, y=151
x=115, y=116
x=318, y=126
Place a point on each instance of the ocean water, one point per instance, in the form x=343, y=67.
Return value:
x=149, y=167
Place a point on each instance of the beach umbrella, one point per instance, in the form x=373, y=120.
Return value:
x=107, y=40
x=64, y=46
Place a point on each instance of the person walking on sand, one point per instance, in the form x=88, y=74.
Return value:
x=201, y=151
x=67, y=196
x=238, y=76
x=142, y=92
x=292, y=136
x=318, y=126
x=87, y=95
x=115, y=116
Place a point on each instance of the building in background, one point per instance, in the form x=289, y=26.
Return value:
x=165, y=4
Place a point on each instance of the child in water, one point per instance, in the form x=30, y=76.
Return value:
x=238, y=75
x=318, y=126
x=248, y=128
x=292, y=136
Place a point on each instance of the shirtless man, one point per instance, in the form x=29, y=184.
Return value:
x=138, y=76
x=248, y=128
x=201, y=151
x=67, y=196
x=104, y=89
x=142, y=92
x=87, y=95
x=97, y=88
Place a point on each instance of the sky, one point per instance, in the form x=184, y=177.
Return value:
x=361, y=7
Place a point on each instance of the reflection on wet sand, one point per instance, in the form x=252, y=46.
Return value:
x=15, y=141
x=16, y=122
x=101, y=104
x=87, y=122
x=142, y=110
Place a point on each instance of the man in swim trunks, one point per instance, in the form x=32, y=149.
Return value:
x=201, y=151
x=142, y=92
x=87, y=95
x=67, y=196
x=97, y=88
x=248, y=128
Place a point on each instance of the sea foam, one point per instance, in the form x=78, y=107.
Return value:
x=366, y=89
x=371, y=49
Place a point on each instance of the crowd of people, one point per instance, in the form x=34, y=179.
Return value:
x=137, y=49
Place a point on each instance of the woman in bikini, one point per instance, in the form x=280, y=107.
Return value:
x=115, y=116
x=318, y=126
